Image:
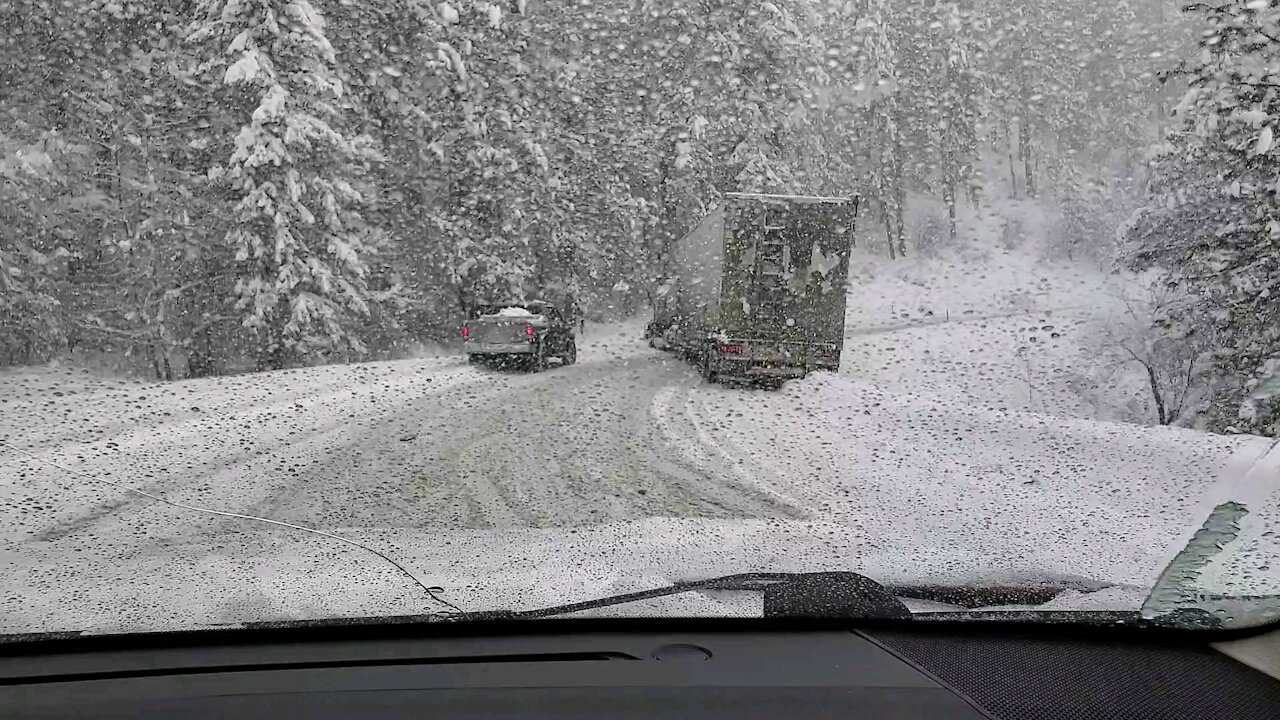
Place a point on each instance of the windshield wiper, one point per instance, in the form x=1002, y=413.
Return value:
x=790, y=595
x=848, y=595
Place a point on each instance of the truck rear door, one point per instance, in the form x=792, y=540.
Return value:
x=499, y=330
x=786, y=268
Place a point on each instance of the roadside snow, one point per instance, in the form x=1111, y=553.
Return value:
x=158, y=435
x=1002, y=329
x=970, y=282
x=938, y=483
x=1007, y=357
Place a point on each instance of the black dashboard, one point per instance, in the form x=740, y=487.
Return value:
x=586, y=669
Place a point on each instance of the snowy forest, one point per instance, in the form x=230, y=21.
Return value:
x=225, y=185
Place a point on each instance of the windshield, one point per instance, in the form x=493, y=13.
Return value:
x=973, y=299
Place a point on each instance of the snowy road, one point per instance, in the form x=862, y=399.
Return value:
x=398, y=454
x=571, y=446
x=412, y=444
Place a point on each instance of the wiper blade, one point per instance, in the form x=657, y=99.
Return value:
x=789, y=595
x=848, y=595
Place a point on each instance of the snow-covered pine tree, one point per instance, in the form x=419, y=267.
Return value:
x=296, y=234
x=880, y=82
x=1212, y=223
x=954, y=102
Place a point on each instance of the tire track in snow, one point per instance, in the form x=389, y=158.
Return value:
x=231, y=463
x=471, y=449
x=708, y=449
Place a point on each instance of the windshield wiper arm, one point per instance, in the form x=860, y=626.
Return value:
x=790, y=595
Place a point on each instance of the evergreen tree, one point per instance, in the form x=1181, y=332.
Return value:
x=1212, y=224
x=297, y=175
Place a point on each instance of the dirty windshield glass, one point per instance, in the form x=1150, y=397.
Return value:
x=318, y=309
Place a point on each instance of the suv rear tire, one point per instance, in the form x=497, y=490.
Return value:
x=708, y=374
x=538, y=361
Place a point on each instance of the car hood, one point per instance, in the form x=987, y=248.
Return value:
x=256, y=576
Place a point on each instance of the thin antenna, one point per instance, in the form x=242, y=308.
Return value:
x=429, y=590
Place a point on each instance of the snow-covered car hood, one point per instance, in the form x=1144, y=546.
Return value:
x=262, y=575
x=258, y=576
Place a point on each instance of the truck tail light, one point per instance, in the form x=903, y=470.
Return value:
x=731, y=349
x=466, y=332
x=528, y=330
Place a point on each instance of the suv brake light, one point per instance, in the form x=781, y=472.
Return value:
x=466, y=332
x=731, y=349
x=528, y=330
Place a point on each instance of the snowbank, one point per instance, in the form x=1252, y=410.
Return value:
x=1002, y=329
x=948, y=485
x=153, y=434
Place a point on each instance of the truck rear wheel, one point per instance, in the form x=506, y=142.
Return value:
x=570, y=353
